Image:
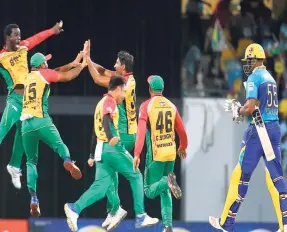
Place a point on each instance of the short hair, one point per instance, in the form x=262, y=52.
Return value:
x=115, y=82
x=8, y=29
x=127, y=59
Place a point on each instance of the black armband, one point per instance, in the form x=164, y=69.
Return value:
x=107, y=128
x=93, y=145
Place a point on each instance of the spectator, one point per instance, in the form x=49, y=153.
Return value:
x=191, y=62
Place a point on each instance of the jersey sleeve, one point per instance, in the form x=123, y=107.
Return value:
x=141, y=132
x=179, y=127
x=34, y=40
x=50, y=75
x=252, y=87
x=109, y=106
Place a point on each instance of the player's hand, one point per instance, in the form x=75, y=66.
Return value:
x=87, y=48
x=78, y=59
x=233, y=105
x=181, y=153
x=58, y=28
x=114, y=141
x=91, y=162
x=84, y=63
x=228, y=105
x=136, y=162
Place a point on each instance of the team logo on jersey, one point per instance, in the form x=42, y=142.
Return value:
x=250, y=86
x=162, y=103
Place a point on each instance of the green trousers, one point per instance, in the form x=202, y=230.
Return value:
x=113, y=202
x=114, y=159
x=33, y=131
x=156, y=184
x=10, y=117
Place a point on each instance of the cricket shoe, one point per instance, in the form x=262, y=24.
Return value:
x=143, y=220
x=15, y=174
x=73, y=169
x=168, y=229
x=116, y=220
x=174, y=188
x=214, y=222
x=34, y=207
x=108, y=221
x=72, y=216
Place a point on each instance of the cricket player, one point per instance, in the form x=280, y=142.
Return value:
x=14, y=69
x=163, y=120
x=111, y=157
x=127, y=116
x=261, y=91
x=37, y=124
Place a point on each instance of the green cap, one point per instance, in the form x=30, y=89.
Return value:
x=38, y=58
x=156, y=83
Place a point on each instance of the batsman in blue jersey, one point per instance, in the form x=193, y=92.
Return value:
x=261, y=93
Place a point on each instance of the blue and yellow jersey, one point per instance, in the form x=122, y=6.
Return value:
x=262, y=86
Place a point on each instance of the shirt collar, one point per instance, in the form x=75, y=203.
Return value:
x=262, y=66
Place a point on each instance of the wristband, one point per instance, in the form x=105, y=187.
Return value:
x=238, y=111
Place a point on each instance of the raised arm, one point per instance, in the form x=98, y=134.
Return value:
x=71, y=65
x=99, y=79
x=34, y=40
x=71, y=74
x=100, y=75
x=103, y=71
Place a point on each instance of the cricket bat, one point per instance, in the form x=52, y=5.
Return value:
x=262, y=133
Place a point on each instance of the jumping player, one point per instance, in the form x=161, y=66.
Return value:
x=162, y=119
x=111, y=157
x=14, y=69
x=37, y=124
x=261, y=90
x=127, y=118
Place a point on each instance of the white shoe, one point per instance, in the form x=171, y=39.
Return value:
x=119, y=216
x=72, y=217
x=108, y=221
x=144, y=220
x=214, y=222
x=15, y=174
